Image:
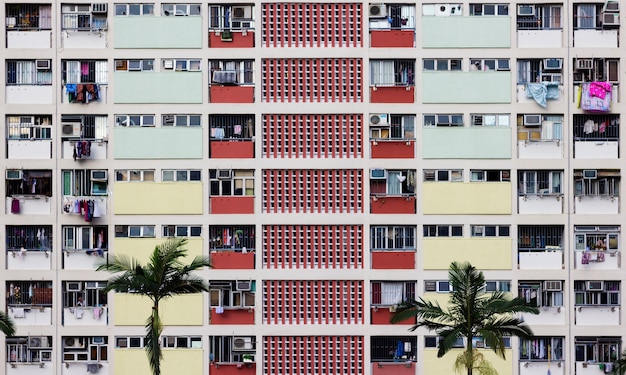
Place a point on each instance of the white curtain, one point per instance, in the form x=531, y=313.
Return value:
x=101, y=127
x=382, y=73
x=101, y=72
x=391, y=293
x=394, y=185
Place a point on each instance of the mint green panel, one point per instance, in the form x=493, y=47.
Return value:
x=466, y=87
x=158, y=87
x=466, y=142
x=157, y=32
x=158, y=143
x=466, y=32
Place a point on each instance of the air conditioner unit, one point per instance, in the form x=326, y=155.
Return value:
x=378, y=174
x=242, y=343
x=99, y=8
x=532, y=120
x=442, y=10
x=168, y=64
x=584, y=64
x=553, y=286
x=71, y=129
x=430, y=286
x=610, y=19
x=225, y=76
x=611, y=6
x=242, y=12
x=378, y=10
x=74, y=286
x=99, y=175
x=552, y=64
x=42, y=64
x=97, y=340
x=590, y=174
x=379, y=119
x=224, y=173
x=525, y=10
x=243, y=285
x=14, y=174
x=38, y=342
x=73, y=343
x=594, y=285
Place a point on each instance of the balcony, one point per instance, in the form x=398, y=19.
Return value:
x=392, y=25
x=596, y=136
x=28, y=26
x=540, y=93
x=29, y=137
x=232, y=355
x=231, y=38
x=392, y=192
x=232, y=81
x=29, y=259
x=597, y=315
x=29, y=82
x=383, y=314
x=540, y=247
x=231, y=191
x=84, y=26
x=231, y=137
x=29, y=355
x=596, y=191
x=540, y=26
x=392, y=136
x=385, y=296
x=399, y=360
x=232, y=247
x=545, y=203
x=392, y=81
x=86, y=316
x=231, y=26
x=30, y=303
x=232, y=301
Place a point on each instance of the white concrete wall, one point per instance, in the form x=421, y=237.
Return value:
x=539, y=150
x=545, y=260
x=43, y=368
x=31, y=205
x=547, y=316
x=596, y=149
x=540, y=204
x=33, y=316
x=583, y=368
x=596, y=205
x=27, y=149
x=541, y=368
x=80, y=368
x=597, y=315
x=596, y=38
x=540, y=38
x=611, y=261
x=29, y=94
x=84, y=316
x=29, y=39
x=29, y=260
x=79, y=260
x=84, y=39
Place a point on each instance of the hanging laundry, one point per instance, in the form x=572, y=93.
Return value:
x=15, y=206
x=602, y=126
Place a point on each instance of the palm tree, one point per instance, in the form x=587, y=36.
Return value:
x=619, y=365
x=471, y=312
x=164, y=276
x=6, y=324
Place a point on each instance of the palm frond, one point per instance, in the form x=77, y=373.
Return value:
x=154, y=328
x=6, y=324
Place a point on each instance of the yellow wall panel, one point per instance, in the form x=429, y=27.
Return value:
x=141, y=248
x=471, y=198
x=175, y=361
x=445, y=365
x=484, y=253
x=133, y=310
x=158, y=198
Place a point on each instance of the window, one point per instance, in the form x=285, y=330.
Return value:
x=28, y=17
x=392, y=72
x=597, y=293
x=232, y=237
x=542, y=349
x=540, y=237
x=586, y=16
x=490, y=64
x=231, y=349
x=395, y=16
x=231, y=17
x=388, y=293
x=123, y=231
x=606, y=183
x=232, y=294
x=87, y=127
x=590, y=128
x=384, y=182
x=228, y=182
x=134, y=9
x=134, y=65
x=80, y=183
x=384, y=126
x=29, y=293
x=181, y=120
x=443, y=230
x=597, y=349
x=179, y=175
x=442, y=64
x=181, y=65
x=134, y=120
x=596, y=69
x=194, y=342
x=542, y=293
x=443, y=120
x=85, y=71
x=29, y=349
x=85, y=349
x=540, y=182
x=489, y=9
x=91, y=239
x=29, y=72
x=83, y=17
x=439, y=286
x=539, y=17
x=490, y=120
x=539, y=70
x=433, y=342
x=492, y=286
x=84, y=294
x=28, y=127
x=393, y=348
x=597, y=238
x=28, y=182
x=134, y=175
x=29, y=237
x=392, y=237
x=539, y=128
x=180, y=9
x=490, y=175
x=490, y=230
x=231, y=126
x=232, y=72
x=182, y=230
x=452, y=175
x=129, y=342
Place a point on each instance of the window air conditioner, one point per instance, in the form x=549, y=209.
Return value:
x=242, y=343
x=590, y=174
x=243, y=285
x=553, y=286
x=378, y=174
x=525, y=10
x=74, y=287
x=14, y=174
x=97, y=340
x=611, y=6
x=224, y=173
x=610, y=19
x=225, y=76
x=430, y=286
x=99, y=8
x=38, y=342
x=552, y=64
x=99, y=175
x=594, y=285
x=379, y=119
x=532, y=120
x=42, y=64
x=242, y=12
x=378, y=10
x=71, y=129
x=168, y=64
x=73, y=343
x=584, y=64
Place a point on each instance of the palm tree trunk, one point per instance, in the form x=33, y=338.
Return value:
x=470, y=351
x=153, y=333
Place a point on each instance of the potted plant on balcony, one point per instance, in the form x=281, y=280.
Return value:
x=247, y=358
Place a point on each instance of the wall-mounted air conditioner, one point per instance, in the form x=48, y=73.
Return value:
x=73, y=343
x=42, y=64
x=97, y=340
x=611, y=6
x=532, y=120
x=379, y=119
x=168, y=64
x=378, y=10
x=74, y=286
x=553, y=286
x=590, y=174
x=38, y=342
x=224, y=173
x=14, y=174
x=525, y=10
x=242, y=343
x=594, y=285
x=552, y=64
x=99, y=8
x=378, y=174
x=584, y=64
x=243, y=285
x=242, y=12
x=72, y=129
x=610, y=19
x=99, y=175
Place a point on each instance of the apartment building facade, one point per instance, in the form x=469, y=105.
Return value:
x=332, y=158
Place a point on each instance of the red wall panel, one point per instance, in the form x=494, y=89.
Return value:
x=392, y=38
x=231, y=205
x=240, y=40
x=232, y=316
x=393, y=260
